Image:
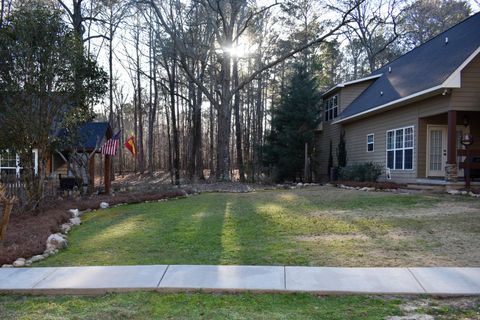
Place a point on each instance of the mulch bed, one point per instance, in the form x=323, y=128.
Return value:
x=27, y=233
x=377, y=185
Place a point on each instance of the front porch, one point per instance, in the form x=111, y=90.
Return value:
x=441, y=154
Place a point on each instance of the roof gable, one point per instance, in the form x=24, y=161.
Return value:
x=420, y=70
x=89, y=136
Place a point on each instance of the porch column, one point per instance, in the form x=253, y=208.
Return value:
x=91, y=173
x=106, y=177
x=451, y=167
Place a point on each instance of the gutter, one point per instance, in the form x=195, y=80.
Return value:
x=343, y=84
x=453, y=81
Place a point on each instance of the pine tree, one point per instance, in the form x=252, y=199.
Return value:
x=293, y=124
x=342, y=151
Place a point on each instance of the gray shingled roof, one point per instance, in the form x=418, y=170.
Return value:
x=424, y=67
x=89, y=134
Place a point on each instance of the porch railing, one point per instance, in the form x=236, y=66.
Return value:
x=12, y=183
x=14, y=186
x=471, y=164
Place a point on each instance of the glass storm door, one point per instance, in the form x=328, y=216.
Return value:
x=436, y=151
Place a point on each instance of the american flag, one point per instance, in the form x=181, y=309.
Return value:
x=110, y=147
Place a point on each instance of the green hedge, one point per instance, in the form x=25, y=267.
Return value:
x=368, y=171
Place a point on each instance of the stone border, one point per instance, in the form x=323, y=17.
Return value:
x=454, y=192
x=56, y=241
x=369, y=189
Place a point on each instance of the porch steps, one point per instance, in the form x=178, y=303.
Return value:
x=438, y=185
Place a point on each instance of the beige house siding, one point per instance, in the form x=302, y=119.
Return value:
x=467, y=98
x=332, y=131
x=431, y=110
x=351, y=92
x=405, y=116
x=329, y=133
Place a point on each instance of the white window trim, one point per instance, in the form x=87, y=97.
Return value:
x=395, y=149
x=18, y=168
x=333, y=107
x=372, y=143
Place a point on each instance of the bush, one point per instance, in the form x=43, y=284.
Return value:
x=368, y=171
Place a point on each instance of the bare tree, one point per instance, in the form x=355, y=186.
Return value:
x=229, y=20
x=375, y=24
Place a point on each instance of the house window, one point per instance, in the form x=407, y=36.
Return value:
x=331, y=108
x=400, y=149
x=10, y=161
x=370, y=142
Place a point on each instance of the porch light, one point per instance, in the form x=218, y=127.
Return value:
x=467, y=140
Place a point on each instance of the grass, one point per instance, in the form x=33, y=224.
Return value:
x=154, y=305
x=151, y=305
x=314, y=226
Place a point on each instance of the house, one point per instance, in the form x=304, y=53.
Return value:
x=86, y=142
x=409, y=116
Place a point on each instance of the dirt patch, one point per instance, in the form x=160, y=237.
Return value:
x=27, y=233
x=440, y=209
x=334, y=237
x=386, y=185
x=438, y=308
x=161, y=181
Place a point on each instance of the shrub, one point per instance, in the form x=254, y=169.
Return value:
x=368, y=171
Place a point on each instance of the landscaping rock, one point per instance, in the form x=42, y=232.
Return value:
x=104, y=205
x=37, y=258
x=75, y=221
x=7, y=266
x=412, y=317
x=453, y=192
x=28, y=263
x=74, y=212
x=20, y=262
x=65, y=228
x=56, y=241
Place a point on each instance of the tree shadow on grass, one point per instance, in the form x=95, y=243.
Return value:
x=258, y=237
x=174, y=232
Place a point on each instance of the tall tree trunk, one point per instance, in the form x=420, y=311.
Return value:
x=140, y=152
x=173, y=114
x=224, y=112
x=238, y=124
x=170, y=159
x=153, y=104
x=135, y=125
x=197, y=119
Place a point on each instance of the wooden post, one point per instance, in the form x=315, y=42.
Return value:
x=7, y=209
x=305, y=173
x=107, y=174
x=451, y=167
x=467, y=168
x=91, y=173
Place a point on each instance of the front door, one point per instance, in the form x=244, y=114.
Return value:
x=436, y=151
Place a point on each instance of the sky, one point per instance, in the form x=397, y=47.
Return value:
x=121, y=43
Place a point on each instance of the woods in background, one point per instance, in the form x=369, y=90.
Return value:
x=207, y=86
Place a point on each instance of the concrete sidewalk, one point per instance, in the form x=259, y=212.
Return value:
x=322, y=280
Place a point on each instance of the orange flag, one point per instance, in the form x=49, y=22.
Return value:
x=130, y=145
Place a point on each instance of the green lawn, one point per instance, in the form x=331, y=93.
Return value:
x=152, y=305
x=312, y=226
x=197, y=306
